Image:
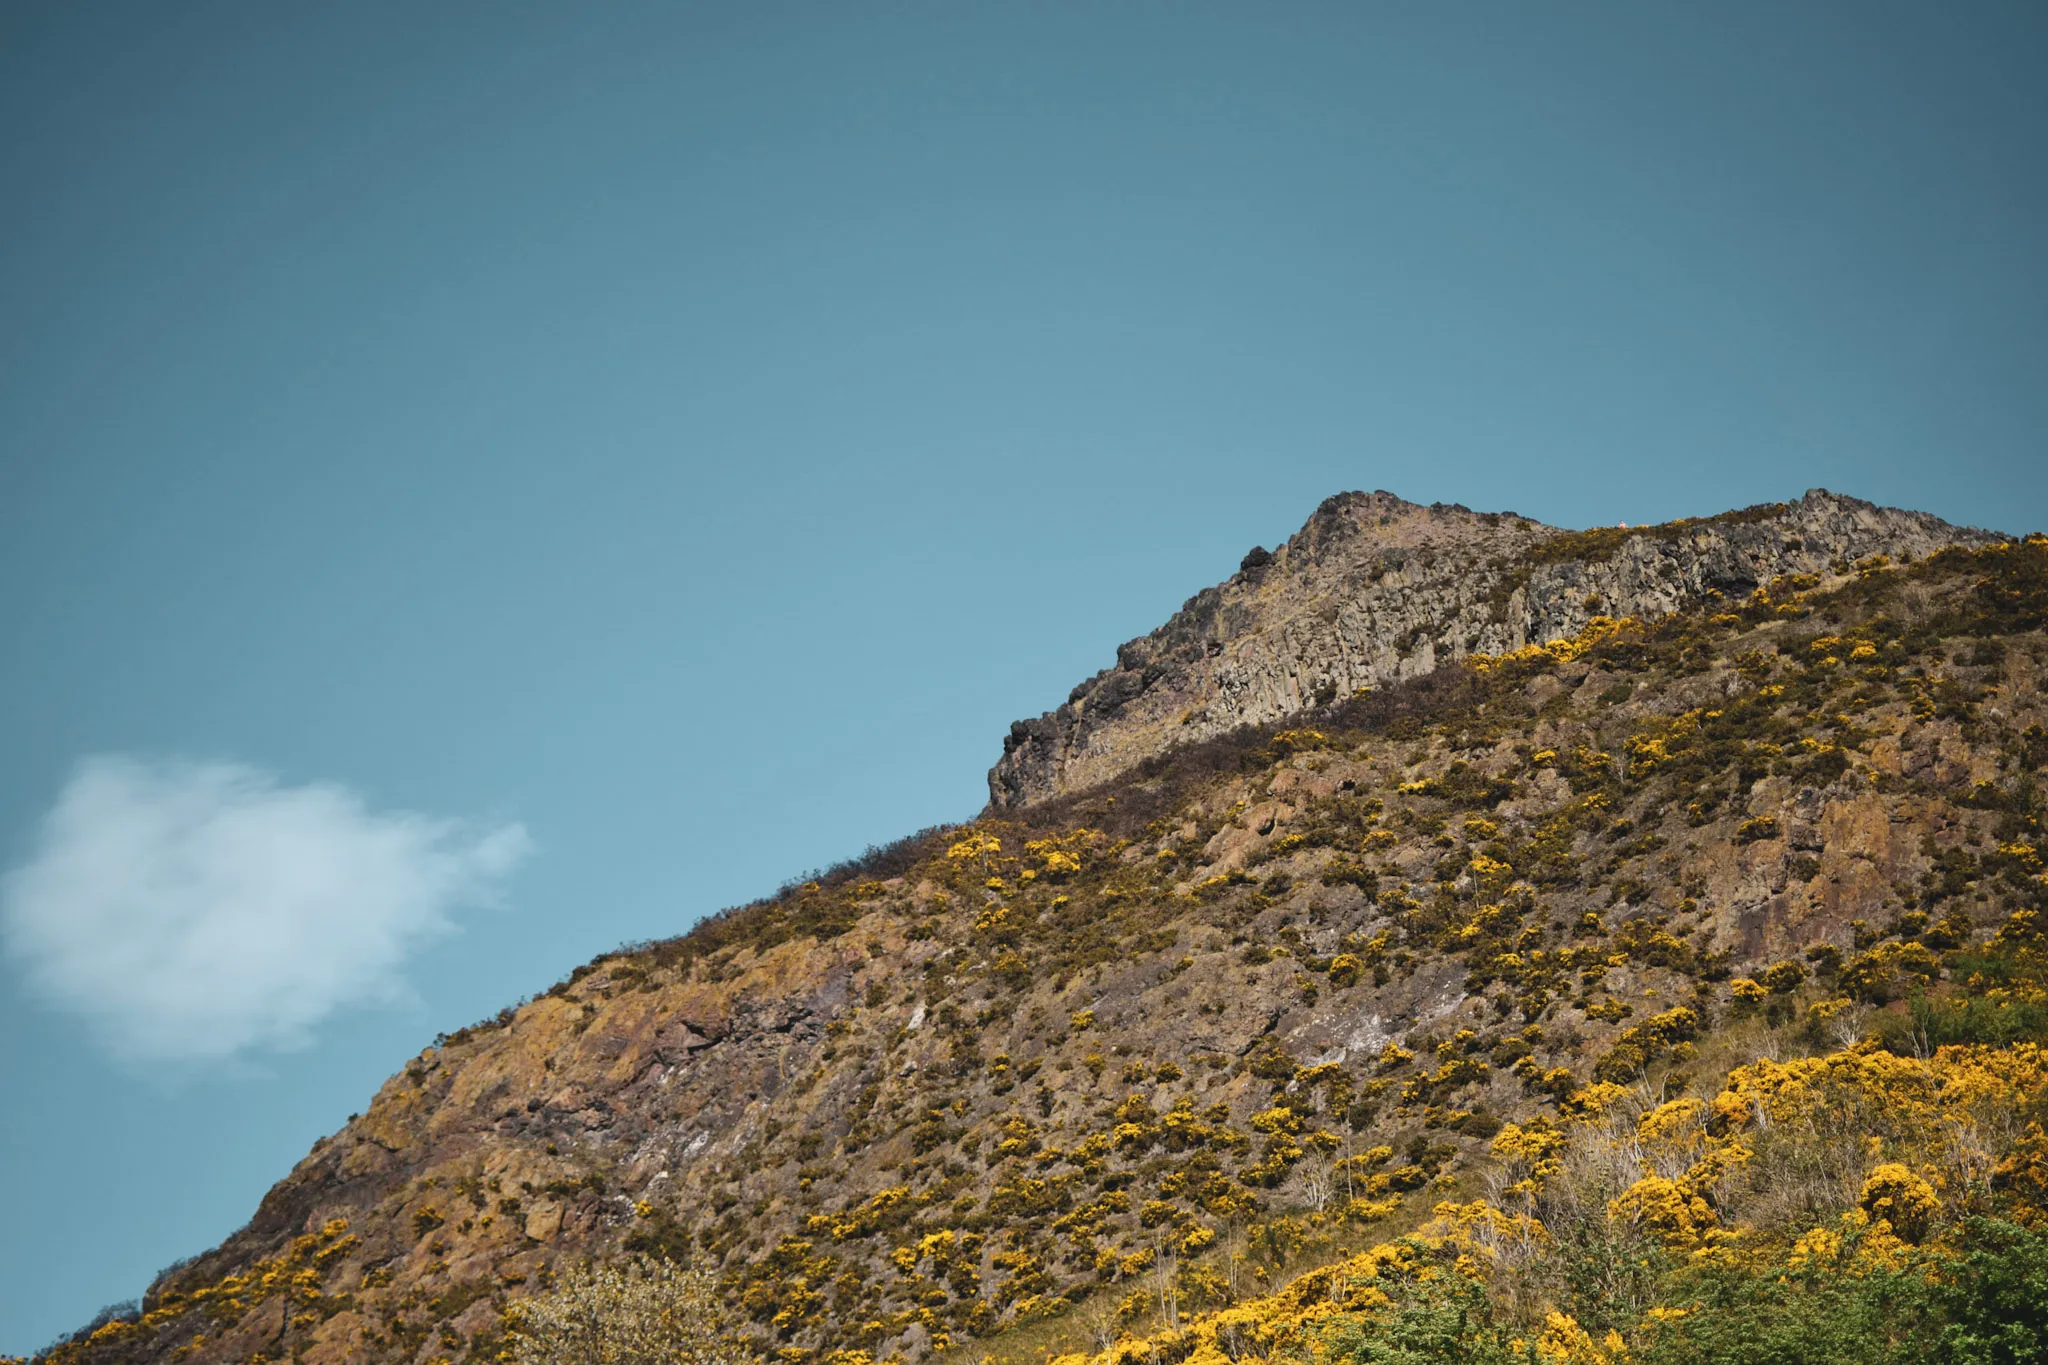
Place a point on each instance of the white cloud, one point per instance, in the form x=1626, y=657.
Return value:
x=189, y=912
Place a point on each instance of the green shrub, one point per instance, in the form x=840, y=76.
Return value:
x=1447, y=1317
x=1998, y=1021
x=1813, y=1317
x=1985, y=1305
x=1993, y=1302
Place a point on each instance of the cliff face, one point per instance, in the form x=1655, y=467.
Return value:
x=1374, y=590
x=1253, y=1002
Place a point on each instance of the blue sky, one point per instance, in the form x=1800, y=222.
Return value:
x=482, y=484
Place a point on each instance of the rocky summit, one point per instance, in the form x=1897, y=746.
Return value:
x=1572, y=946
x=1374, y=590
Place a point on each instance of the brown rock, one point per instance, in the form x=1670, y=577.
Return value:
x=1375, y=589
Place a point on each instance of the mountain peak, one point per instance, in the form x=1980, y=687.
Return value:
x=1375, y=589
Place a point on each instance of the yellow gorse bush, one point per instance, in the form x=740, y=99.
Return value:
x=1682, y=1165
x=1596, y=632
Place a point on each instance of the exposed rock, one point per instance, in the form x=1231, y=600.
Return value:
x=1375, y=589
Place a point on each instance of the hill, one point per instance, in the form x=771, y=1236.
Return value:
x=1701, y=936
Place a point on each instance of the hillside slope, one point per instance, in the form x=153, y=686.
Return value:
x=1114, y=1060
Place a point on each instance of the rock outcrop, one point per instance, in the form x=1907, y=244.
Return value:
x=1375, y=589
